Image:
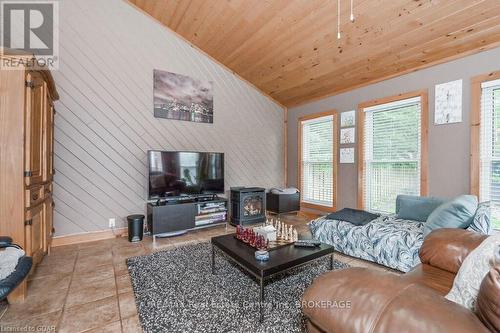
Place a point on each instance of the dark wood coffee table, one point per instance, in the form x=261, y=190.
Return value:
x=280, y=260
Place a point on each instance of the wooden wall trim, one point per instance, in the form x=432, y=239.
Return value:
x=88, y=237
x=424, y=143
x=299, y=157
x=424, y=139
x=394, y=98
x=335, y=153
x=361, y=159
x=285, y=146
x=335, y=158
x=475, y=128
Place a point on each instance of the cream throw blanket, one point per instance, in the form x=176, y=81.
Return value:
x=9, y=257
x=472, y=272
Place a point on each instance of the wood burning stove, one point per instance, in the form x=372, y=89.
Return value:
x=248, y=205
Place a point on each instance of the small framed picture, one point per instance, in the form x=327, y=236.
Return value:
x=448, y=103
x=346, y=155
x=348, y=119
x=347, y=135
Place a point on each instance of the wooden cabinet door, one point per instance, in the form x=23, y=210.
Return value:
x=34, y=128
x=49, y=223
x=48, y=145
x=34, y=233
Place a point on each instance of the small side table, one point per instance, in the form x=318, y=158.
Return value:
x=282, y=203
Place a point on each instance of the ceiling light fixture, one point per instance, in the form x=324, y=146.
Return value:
x=338, y=19
x=352, y=11
x=351, y=18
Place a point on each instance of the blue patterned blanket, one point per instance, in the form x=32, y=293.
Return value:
x=387, y=240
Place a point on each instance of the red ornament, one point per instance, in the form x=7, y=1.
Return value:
x=249, y=236
x=252, y=238
x=260, y=242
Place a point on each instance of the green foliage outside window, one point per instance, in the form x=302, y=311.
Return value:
x=394, y=166
x=495, y=165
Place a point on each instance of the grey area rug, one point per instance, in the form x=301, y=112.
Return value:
x=175, y=291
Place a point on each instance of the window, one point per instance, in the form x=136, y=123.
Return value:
x=317, y=161
x=489, y=148
x=156, y=164
x=390, y=149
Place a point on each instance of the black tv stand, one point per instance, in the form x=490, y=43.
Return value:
x=204, y=198
x=175, y=216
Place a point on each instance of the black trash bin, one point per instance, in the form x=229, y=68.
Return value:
x=135, y=227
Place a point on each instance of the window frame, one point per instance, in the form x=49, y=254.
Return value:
x=424, y=127
x=475, y=124
x=308, y=205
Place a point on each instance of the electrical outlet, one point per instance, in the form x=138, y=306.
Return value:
x=112, y=223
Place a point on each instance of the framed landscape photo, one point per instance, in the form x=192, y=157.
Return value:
x=182, y=97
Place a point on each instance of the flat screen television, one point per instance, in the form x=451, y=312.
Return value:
x=178, y=173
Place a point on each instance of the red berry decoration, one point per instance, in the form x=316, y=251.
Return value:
x=262, y=242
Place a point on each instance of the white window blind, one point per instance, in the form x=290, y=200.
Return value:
x=392, y=134
x=489, y=181
x=317, y=161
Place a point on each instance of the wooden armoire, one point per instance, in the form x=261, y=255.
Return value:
x=26, y=158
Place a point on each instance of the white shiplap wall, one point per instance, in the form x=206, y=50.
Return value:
x=105, y=123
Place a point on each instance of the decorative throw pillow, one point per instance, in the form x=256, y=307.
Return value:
x=482, y=221
x=280, y=190
x=416, y=208
x=488, y=302
x=457, y=213
x=472, y=272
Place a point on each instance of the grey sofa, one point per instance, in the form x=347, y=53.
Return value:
x=388, y=240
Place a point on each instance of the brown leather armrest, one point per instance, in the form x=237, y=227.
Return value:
x=349, y=300
x=488, y=300
x=447, y=248
x=435, y=278
x=360, y=300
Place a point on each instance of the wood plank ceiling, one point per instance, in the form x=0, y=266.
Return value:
x=289, y=48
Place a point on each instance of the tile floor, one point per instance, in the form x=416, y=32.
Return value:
x=86, y=287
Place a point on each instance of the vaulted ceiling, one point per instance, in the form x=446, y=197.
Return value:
x=289, y=48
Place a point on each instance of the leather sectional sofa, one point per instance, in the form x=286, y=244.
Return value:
x=366, y=300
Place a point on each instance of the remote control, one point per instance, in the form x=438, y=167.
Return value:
x=310, y=241
x=306, y=244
